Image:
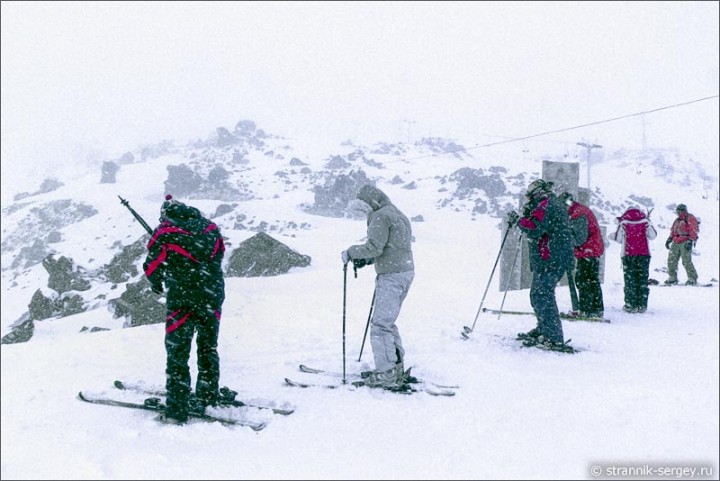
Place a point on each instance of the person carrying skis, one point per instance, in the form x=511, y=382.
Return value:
x=588, y=248
x=185, y=253
x=634, y=230
x=683, y=236
x=388, y=248
x=545, y=222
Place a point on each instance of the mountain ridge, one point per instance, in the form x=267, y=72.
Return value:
x=249, y=181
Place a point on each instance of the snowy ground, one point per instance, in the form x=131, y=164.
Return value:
x=644, y=390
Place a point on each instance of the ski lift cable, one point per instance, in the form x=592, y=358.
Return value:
x=517, y=139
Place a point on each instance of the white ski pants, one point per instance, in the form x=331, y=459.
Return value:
x=390, y=292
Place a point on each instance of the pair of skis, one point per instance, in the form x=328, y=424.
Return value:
x=285, y=411
x=564, y=348
x=356, y=380
x=563, y=315
x=568, y=317
x=154, y=403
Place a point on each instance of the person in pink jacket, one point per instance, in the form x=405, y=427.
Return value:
x=633, y=232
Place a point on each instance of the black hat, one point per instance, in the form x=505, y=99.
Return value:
x=538, y=186
x=681, y=208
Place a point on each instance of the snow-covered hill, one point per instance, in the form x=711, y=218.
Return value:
x=643, y=390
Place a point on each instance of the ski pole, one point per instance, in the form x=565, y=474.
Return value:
x=512, y=269
x=468, y=330
x=343, y=317
x=137, y=216
x=372, y=306
x=571, y=286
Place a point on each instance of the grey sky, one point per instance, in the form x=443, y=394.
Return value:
x=114, y=75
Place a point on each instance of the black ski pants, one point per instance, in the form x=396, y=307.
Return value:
x=636, y=270
x=180, y=326
x=543, y=301
x=587, y=280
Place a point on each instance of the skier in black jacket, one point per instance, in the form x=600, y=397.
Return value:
x=185, y=253
x=546, y=224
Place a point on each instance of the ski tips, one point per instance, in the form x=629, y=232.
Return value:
x=257, y=427
x=466, y=332
x=305, y=368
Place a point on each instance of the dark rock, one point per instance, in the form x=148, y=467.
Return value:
x=21, y=333
x=139, y=304
x=182, y=181
x=225, y=138
x=333, y=197
x=109, y=169
x=123, y=265
x=261, y=256
x=62, y=276
x=40, y=307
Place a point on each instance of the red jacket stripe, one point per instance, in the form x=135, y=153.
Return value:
x=171, y=326
x=156, y=262
x=170, y=229
x=181, y=251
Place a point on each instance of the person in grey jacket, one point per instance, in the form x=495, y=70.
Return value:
x=388, y=248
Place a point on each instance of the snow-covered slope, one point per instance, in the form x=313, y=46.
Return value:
x=644, y=390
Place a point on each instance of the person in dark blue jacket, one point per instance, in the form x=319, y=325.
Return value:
x=546, y=224
x=185, y=254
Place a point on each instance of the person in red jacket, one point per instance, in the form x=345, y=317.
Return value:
x=634, y=230
x=589, y=247
x=683, y=235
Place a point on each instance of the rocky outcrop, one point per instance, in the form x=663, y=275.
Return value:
x=20, y=333
x=55, y=305
x=108, y=171
x=63, y=277
x=261, y=256
x=332, y=198
x=139, y=304
x=123, y=265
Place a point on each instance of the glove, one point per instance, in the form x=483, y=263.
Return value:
x=360, y=263
x=688, y=245
x=345, y=257
x=667, y=243
x=512, y=218
x=157, y=288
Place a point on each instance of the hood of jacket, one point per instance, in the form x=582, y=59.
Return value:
x=632, y=215
x=178, y=211
x=373, y=196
